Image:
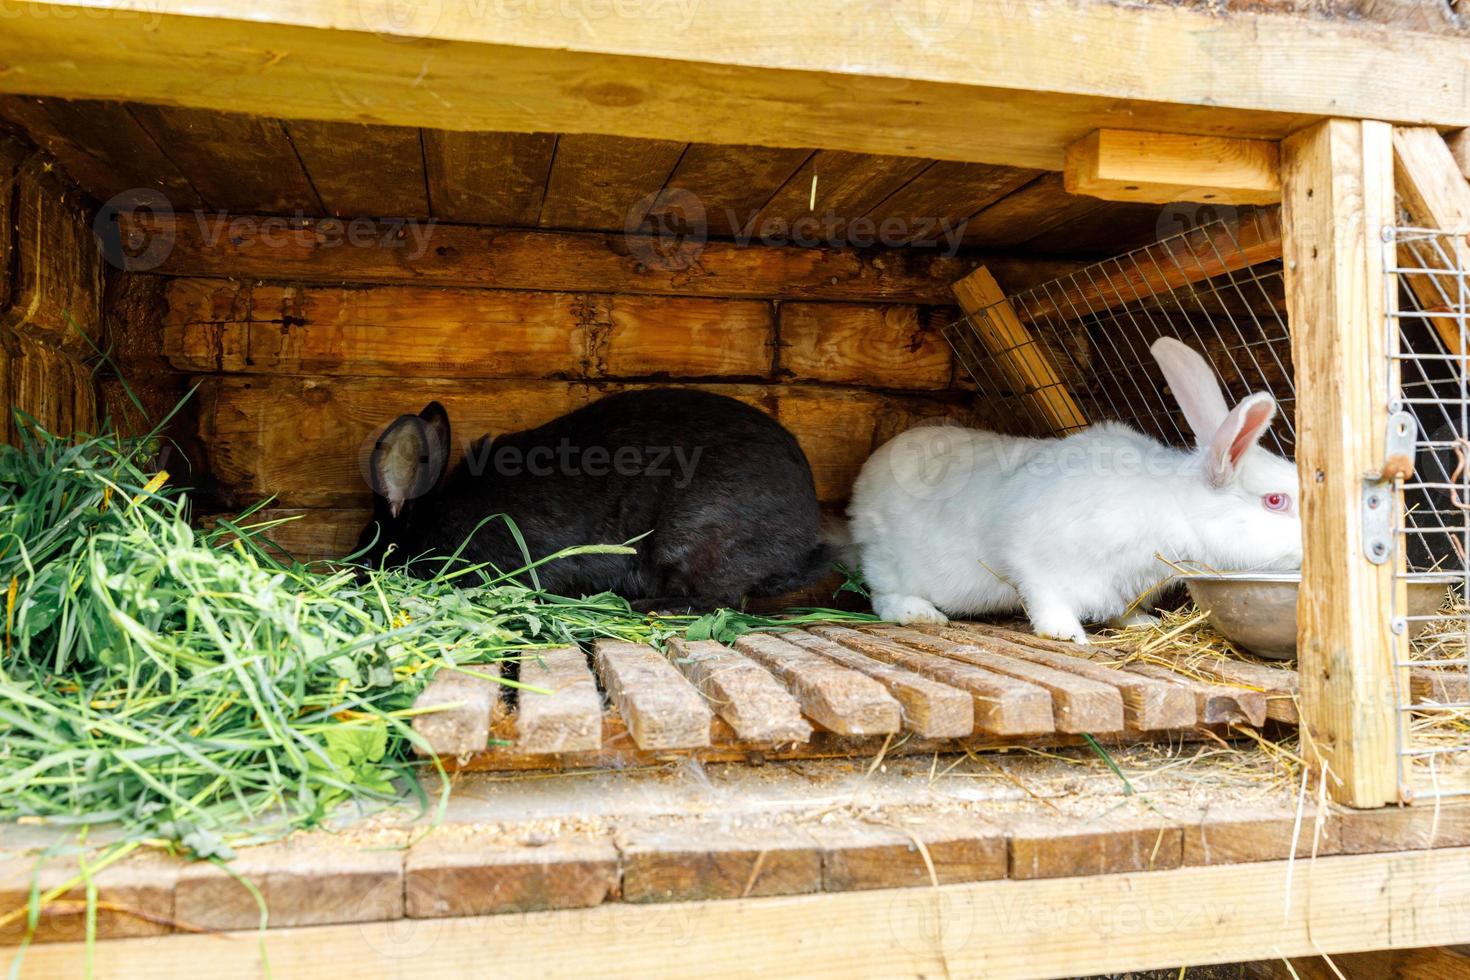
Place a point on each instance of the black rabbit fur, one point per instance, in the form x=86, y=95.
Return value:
x=722, y=491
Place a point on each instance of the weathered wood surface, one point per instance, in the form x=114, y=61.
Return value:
x=1161, y=168
x=661, y=708
x=487, y=178
x=605, y=181
x=416, y=331
x=930, y=709
x=742, y=692
x=1279, y=686
x=1347, y=903
x=1079, y=704
x=358, y=169
x=1002, y=705
x=568, y=716
x=840, y=700
x=445, y=875
x=462, y=701
x=1148, y=705
x=255, y=247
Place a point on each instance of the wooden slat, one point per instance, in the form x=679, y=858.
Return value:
x=1216, y=704
x=1448, y=686
x=1160, y=168
x=1278, y=685
x=930, y=709
x=730, y=183
x=237, y=162
x=100, y=146
x=56, y=284
x=1338, y=194
x=487, y=178
x=1435, y=193
x=1229, y=833
x=740, y=691
x=1115, y=843
x=1003, y=705
x=1025, y=365
x=359, y=169
x=1346, y=903
x=955, y=848
x=569, y=719
x=933, y=209
x=456, y=255
x=399, y=331
x=464, y=700
x=662, y=709
x=887, y=346
x=445, y=875
x=1079, y=704
x=364, y=885
x=138, y=883
x=1201, y=254
x=1027, y=213
x=1148, y=705
x=605, y=182
x=848, y=185
x=838, y=699
x=692, y=864
x=1111, y=230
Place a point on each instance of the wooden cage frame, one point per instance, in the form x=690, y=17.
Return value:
x=1026, y=83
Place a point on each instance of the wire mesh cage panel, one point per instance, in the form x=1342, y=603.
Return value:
x=1075, y=350
x=1428, y=278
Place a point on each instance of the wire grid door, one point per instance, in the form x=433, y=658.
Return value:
x=1428, y=279
x=1075, y=350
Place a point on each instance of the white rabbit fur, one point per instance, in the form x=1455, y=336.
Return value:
x=971, y=522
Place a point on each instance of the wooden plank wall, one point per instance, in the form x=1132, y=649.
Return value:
x=297, y=374
x=50, y=295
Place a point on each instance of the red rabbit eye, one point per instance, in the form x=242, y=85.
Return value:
x=1278, y=502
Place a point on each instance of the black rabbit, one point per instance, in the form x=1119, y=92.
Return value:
x=722, y=491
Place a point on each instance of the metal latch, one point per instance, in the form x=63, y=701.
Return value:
x=1378, y=490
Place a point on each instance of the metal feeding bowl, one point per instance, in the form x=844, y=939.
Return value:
x=1257, y=610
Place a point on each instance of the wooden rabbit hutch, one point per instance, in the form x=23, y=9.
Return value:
x=320, y=215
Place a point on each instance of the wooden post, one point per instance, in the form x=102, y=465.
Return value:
x=1337, y=196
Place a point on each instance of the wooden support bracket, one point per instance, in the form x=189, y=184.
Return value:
x=1159, y=168
x=1433, y=190
x=1025, y=365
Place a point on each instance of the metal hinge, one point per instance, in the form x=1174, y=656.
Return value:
x=1378, y=489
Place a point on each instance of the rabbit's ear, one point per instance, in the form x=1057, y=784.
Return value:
x=410, y=457
x=1243, y=427
x=1192, y=380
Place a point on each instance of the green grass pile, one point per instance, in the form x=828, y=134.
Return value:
x=185, y=687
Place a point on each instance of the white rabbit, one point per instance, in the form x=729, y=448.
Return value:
x=972, y=522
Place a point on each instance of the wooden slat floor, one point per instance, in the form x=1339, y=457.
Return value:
x=834, y=691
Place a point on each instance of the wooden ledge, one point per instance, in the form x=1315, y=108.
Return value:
x=997, y=929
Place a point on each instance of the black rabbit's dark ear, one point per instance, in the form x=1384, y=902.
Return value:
x=410, y=457
x=437, y=420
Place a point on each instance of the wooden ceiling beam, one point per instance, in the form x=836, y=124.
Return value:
x=1003, y=81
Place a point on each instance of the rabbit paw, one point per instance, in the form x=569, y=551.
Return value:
x=908, y=610
x=1060, y=626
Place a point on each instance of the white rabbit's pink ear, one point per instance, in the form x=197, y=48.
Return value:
x=1243, y=427
x=1192, y=381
